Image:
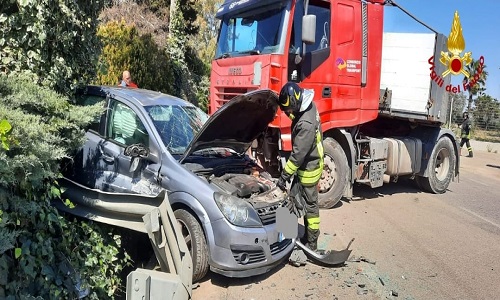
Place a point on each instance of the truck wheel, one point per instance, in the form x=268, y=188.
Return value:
x=334, y=177
x=441, y=168
x=196, y=243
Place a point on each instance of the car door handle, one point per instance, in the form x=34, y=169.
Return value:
x=107, y=158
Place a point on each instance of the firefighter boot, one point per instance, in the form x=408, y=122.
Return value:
x=311, y=239
x=470, y=153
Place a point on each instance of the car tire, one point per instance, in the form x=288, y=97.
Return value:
x=195, y=239
x=334, y=179
x=441, y=168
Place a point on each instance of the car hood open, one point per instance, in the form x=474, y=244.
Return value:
x=237, y=123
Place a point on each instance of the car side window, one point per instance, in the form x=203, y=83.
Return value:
x=86, y=100
x=124, y=126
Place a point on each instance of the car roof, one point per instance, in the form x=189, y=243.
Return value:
x=139, y=96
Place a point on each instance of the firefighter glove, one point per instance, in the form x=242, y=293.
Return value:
x=281, y=183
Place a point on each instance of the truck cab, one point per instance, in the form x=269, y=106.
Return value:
x=336, y=48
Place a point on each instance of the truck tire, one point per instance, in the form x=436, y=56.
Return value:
x=441, y=168
x=335, y=173
x=195, y=240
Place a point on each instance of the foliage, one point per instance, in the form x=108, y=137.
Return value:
x=185, y=83
x=125, y=49
x=486, y=112
x=459, y=102
x=479, y=86
x=43, y=254
x=140, y=16
x=53, y=40
x=204, y=45
x=206, y=40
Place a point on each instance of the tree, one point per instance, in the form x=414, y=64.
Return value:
x=53, y=40
x=125, y=49
x=487, y=109
x=479, y=86
x=459, y=101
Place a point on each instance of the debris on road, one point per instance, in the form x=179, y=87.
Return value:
x=362, y=259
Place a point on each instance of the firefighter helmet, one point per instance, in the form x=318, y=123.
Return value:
x=290, y=97
x=465, y=115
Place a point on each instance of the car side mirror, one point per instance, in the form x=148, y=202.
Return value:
x=136, y=151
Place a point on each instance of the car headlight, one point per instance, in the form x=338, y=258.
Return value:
x=237, y=211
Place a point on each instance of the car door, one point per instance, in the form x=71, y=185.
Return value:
x=120, y=172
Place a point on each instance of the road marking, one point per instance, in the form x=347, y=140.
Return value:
x=480, y=217
x=478, y=182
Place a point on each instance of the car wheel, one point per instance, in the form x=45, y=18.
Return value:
x=441, y=168
x=195, y=241
x=335, y=173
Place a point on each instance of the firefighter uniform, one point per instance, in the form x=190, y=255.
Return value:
x=306, y=161
x=465, y=134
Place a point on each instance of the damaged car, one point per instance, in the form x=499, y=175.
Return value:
x=146, y=143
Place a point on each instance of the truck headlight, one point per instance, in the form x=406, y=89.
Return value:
x=237, y=211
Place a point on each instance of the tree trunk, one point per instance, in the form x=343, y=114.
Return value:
x=173, y=8
x=469, y=102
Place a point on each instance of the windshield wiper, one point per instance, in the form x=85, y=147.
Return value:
x=251, y=52
x=224, y=55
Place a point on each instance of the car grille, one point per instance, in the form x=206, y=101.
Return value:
x=267, y=214
x=280, y=246
x=223, y=95
x=247, y=256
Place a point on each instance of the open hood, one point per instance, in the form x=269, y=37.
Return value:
x=237, y=123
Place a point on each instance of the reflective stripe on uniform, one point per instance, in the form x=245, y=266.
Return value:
x=290, y=167
x=464, y=135
x=313, y=223
x=311, y=177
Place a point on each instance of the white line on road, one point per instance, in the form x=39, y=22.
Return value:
x=480, y=217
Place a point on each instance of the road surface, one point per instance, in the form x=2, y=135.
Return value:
x=415, y=246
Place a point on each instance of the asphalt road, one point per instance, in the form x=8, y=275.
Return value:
x=417, y=245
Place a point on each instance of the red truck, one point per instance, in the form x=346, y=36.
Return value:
x=380, y=110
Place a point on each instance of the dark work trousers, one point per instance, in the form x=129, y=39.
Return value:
x=466, y=142
x=306, y=203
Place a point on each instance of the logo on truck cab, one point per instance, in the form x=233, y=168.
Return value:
x=454, y=62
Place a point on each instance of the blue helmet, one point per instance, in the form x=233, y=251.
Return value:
x=290, y=97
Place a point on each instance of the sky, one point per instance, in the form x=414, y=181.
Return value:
x=480, y=21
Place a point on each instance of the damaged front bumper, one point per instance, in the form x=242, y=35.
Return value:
x=244, y=252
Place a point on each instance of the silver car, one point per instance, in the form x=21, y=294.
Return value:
x=148, y=142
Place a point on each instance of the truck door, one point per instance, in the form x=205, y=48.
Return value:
x=332, y=65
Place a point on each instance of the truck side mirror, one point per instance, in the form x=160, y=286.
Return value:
x=309, y=29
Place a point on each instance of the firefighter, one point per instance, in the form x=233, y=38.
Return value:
x=306, y=159
x=465, y=133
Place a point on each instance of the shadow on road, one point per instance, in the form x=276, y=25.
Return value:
x=404, y=185
x=223, y=281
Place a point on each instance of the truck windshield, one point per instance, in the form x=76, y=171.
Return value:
x=252, y=32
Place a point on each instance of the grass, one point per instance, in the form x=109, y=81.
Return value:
x=492, y=136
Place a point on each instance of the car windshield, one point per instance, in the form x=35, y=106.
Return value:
x=177, y=125
x=253, y=32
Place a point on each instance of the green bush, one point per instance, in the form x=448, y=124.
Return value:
x=54, y=40
x=43, y=254
x=125, y=49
